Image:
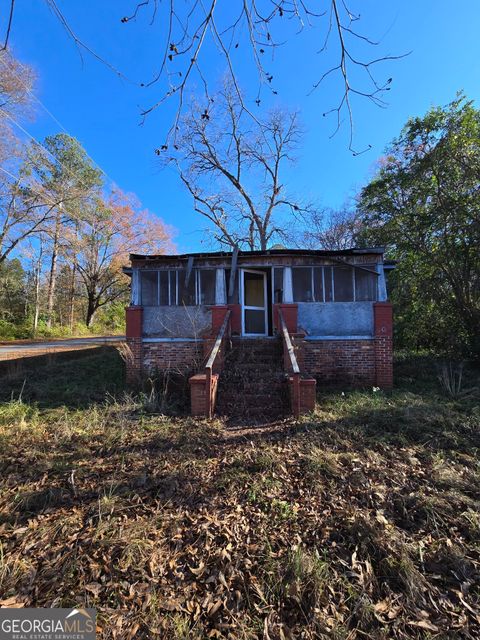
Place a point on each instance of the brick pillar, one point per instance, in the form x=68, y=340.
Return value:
x=236, y=318
x=198, y=394
x=219, y=311
x=134, y=363
x=290, y=315
x=383, y=328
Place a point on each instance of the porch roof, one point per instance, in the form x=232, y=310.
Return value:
x=270, y=252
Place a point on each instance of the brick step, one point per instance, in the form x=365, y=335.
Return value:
x=246, y=386
x=254, y=382
x=251, y=393
x=257, y=349
x=252, y=363
x=256, y=352
x=233, y=411
x=231, y=407
x=252, y=386
x=253, y=413
x=252, y=366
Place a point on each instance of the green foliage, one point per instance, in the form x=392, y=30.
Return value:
x=12, y=290
x=73, y=170
x=424, y=205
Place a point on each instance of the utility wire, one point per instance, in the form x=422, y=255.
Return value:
x=57, y=121
x=54, y=118
x=27, y=186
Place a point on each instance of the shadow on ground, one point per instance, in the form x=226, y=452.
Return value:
x=74, y=381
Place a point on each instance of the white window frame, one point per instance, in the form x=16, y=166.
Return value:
x=158, y=271
x=332, y=267
x=250, y=308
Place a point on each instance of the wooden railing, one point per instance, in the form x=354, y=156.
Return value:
x=290, y=361
x=210, y=387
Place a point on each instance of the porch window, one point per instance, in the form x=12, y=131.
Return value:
x=200, y=289
x=302, y=284
x=187, y=293
x=278, y=284
x=327, y=284
x=171, y=287
x=164, y=277
x=149, y=287
x=206, y=286
x=365, y=285
x=318, y=284
x=158, y=287
x=342, y=283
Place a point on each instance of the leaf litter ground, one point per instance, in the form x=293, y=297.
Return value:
x=359, y=521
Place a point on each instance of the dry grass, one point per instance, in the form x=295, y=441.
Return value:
x=358, y=522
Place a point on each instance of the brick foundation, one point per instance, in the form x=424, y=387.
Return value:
x=338, y=362
x=383, y=326
x=133, y=330
x=352, y=363
x=181, y=357
x=134, y=363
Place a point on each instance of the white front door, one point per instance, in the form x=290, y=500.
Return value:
x=253, y=285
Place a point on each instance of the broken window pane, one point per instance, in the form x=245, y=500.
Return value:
x=207, y=286
x=343, y=284
x=327, y=279
x=149, y=288
x=318, y=284
x=278, y=284
x=186, y=292
x=365, y=284
x=302, y=284
x=163, y=287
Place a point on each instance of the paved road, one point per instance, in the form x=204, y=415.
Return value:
x=15, y=347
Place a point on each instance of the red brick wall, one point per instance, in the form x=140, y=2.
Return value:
x=182, y=357
x=339, y=362
x=383, y=327
x=134, y=360
x=133, y=321
x=290, y=315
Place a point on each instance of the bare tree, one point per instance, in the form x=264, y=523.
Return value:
x=68, y=174
x=100, y=244
x=257, y=28
x=16, y=84
x=331, y=229
x=26, y=210
x=233, y=167
x=252, y=30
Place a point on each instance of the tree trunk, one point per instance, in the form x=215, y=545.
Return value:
x=38, y=273
x=53, y=272
x=91, y=308
x=72, y=287
x=72, y=297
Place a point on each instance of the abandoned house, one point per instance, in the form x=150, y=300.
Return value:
x=256, y=331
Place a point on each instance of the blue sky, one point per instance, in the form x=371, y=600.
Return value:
x=102, y=110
